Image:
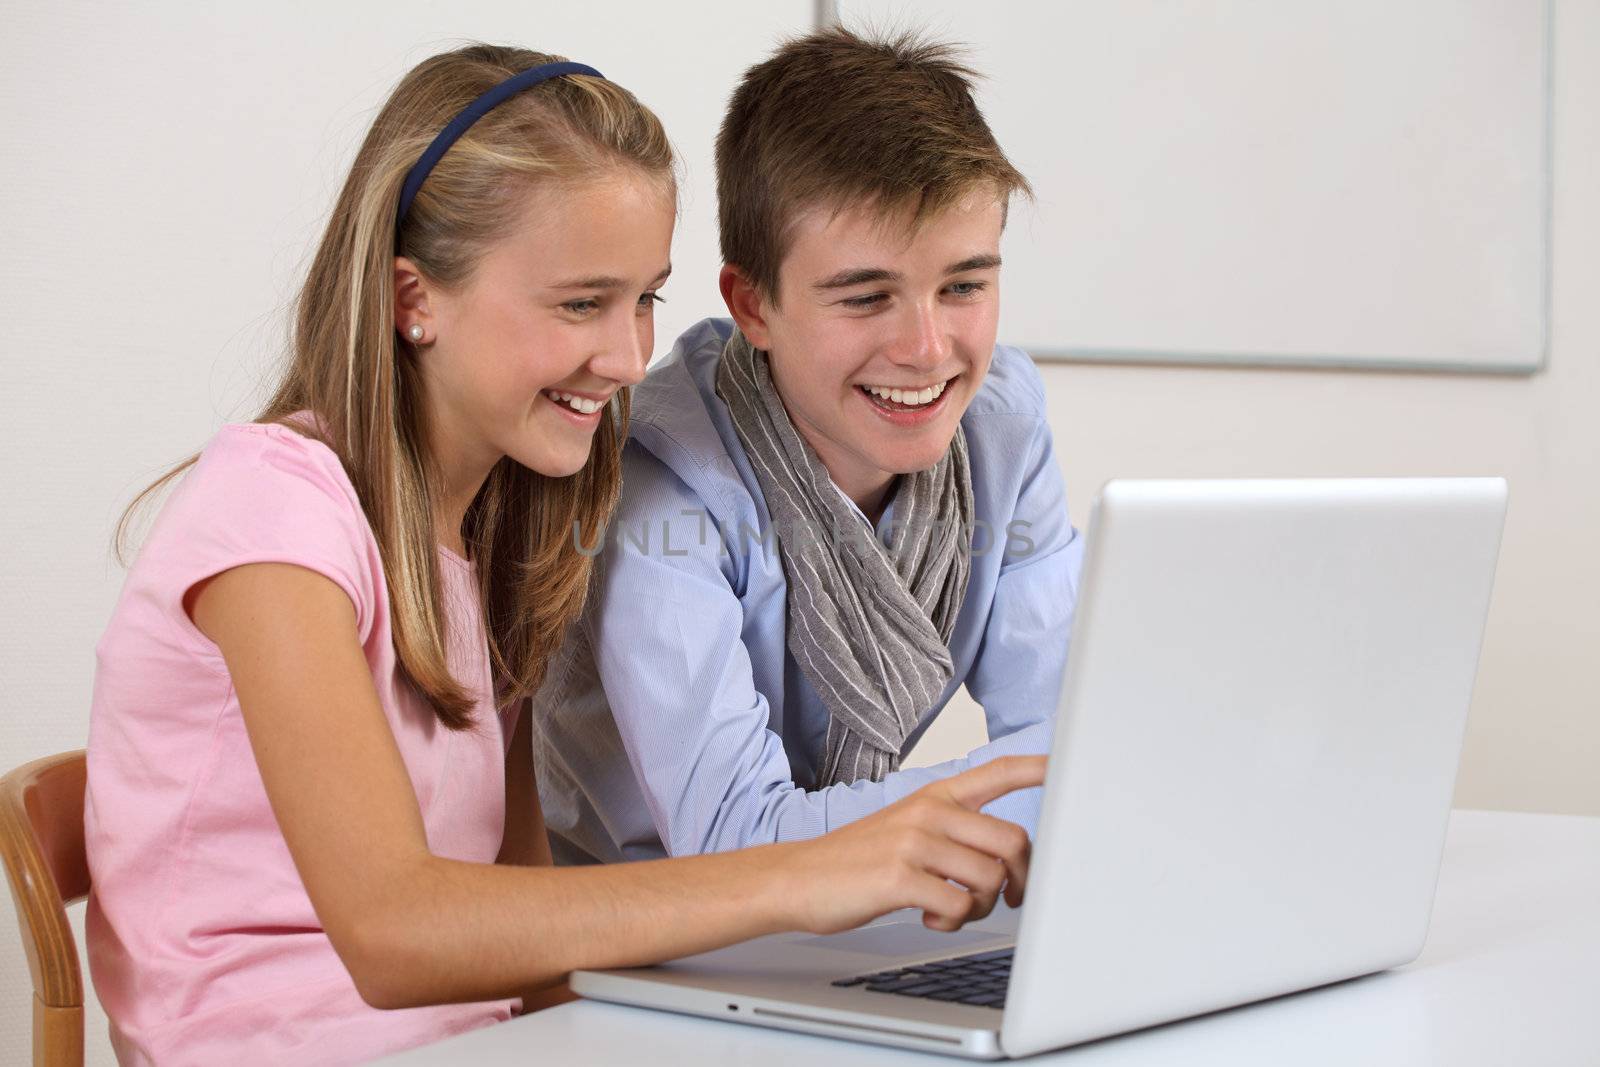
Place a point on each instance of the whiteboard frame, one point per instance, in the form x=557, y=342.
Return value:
x=828, y=14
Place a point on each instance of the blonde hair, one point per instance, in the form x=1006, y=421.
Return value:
x=360, y=380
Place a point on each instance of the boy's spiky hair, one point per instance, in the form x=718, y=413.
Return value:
x=833, y=118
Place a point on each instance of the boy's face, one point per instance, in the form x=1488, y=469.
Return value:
x=868, y=306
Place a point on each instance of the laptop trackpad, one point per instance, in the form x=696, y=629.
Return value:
x=903, y=939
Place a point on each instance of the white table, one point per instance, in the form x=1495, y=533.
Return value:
x=1510, y=975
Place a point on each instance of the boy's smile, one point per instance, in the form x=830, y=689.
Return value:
x=881, y=334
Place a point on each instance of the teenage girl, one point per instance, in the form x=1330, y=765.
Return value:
x=313, y=830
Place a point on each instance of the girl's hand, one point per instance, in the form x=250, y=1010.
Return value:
x=933, y=850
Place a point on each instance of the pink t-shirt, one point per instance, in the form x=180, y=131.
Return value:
x=202, y=943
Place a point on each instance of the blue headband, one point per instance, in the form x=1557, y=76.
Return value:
x=472, y=113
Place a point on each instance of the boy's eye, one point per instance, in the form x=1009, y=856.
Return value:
x=870, y=300
x=968, y=288
x=582, y=307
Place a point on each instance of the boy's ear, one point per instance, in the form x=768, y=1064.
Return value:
x=746, y=304
x=411, y=306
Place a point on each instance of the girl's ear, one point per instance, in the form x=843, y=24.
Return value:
x=413, y=318
x=745, y=304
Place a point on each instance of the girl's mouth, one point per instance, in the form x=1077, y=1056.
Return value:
x=582, y=410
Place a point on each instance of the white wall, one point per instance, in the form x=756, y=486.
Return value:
x=1533, y=741
x=164, y=171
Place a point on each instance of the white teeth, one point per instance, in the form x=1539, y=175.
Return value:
x=577, y=403
x=908, y=397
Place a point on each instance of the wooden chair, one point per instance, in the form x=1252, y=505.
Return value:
x=41, y=843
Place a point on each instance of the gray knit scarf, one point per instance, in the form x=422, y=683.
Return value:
x=868, y=626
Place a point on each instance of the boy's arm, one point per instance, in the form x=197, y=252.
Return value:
x=1023, y=655
x=666, y=629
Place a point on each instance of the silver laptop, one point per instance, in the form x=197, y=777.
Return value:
x=1251, y=774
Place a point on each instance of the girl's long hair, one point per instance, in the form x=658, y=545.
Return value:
x=359, y=380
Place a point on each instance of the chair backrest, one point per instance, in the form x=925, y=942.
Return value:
x=41, y=844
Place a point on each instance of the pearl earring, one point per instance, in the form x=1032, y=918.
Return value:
x=416, y=331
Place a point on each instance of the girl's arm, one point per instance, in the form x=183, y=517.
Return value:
x=413, y=928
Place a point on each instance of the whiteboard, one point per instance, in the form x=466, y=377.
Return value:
x=1362, y=183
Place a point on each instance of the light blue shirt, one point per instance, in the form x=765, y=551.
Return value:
x=677, y=722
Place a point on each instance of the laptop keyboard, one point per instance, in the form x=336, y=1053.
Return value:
x=979, y=979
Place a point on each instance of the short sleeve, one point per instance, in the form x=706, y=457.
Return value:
x=262, y=493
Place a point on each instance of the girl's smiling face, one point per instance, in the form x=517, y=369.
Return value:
x=522, y=359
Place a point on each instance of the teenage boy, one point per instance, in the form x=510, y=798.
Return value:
x=838, y=508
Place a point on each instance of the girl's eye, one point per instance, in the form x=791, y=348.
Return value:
x=871, y=300
x=582, y=307
x=648, y=301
